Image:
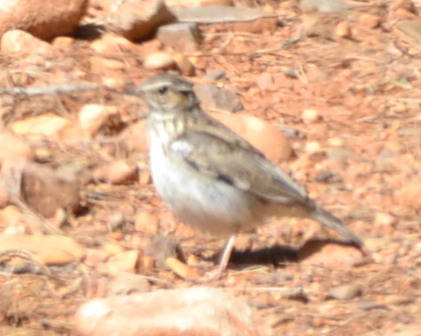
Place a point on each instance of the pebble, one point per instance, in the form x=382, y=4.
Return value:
x=266, y=82
x=94, y=117
x=47, y=125
x=52, y=250
x=118, y=173
x=336, y=142
x=12, y=145
x=146, y=222
x=184, y=65
x=159, y=61
x=312, y=147
x=124, y=262
x=126, y=284
x=310, y=115
x=346, y=292
x=343, y=30
x=369, y=20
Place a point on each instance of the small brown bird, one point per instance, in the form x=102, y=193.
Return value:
x=211, y=178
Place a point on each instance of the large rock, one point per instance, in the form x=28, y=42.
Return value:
x=51, y=250
x=139, y=20
x=188, y=311
x=43, y=19
x=261, y=134
x=18, y=41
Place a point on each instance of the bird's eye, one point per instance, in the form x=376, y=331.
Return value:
x=163, y=89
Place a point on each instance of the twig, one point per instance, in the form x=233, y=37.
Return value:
x=51, y=89
x=24, y=254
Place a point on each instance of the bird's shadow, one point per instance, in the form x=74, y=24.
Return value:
x=278, y=254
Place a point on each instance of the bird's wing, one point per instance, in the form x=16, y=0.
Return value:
x=223, y=155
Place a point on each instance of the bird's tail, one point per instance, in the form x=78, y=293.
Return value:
x=329, y=220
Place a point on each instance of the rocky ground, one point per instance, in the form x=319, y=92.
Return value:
x=329, y=90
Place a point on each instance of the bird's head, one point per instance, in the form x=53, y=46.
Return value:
x=167, y=94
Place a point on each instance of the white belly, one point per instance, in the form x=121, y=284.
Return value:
x=212, y=206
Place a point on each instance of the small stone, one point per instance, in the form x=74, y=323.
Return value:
x=52, y=250
x=409, y=196
x=161, y=248
x=399, y=108
x=145, y=177
x=47, y=125
x=148, y=263
x=125, y=262
x=410, y=28
x=295, y=294
x=291, y=132
x=12, y=145
x=368, y=305
x=139, y=20
x=146, y=222
x=339, y=154
x=95, y=257
x=181, y=269
x=216, y=98
x=345, y=292
x=193, y=260
x=127, y=284
x=398, y=300
x=159, y=61
x=343, y=30
x=324, y=176
x=369, y=20
x=287, y=6
x=72, y=133
x=323, y=6
x=113, y=83
x=4, y=196
x=63, y=42
x=318, y=252
x=111, y=44
x=135, y=137
x=118, y=173
x=198, y=3
x=183, y=37
x=268, y=8
x=243, y=243
x=103, y=65
x=13, y=220
x=47, y=190
x=115, y=222
x=374, y=245
x=216, y=74
x=112, y=248
x=94, y=117
x=265, y=82
x=184, y=65
x=405, y=14
x=336, y=142
x=401, y=4
x=310, y=115
x=384, y=219
x=312, y=147
x=222, y=14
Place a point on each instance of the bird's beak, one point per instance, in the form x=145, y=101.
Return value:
x=135, y=91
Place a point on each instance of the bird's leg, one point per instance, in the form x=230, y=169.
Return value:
x=224, y=260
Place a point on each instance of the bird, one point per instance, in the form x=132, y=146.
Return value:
x=211, y=178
